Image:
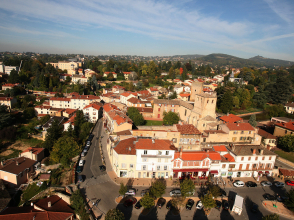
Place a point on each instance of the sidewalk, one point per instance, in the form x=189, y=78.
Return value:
x=280, y=209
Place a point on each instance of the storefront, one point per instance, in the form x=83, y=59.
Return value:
x=190, y=172
x=123, y=173
x=213, y=172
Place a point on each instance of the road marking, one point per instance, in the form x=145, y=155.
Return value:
x=92, y=161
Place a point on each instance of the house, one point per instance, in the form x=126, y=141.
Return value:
x=9, y=86
x=184, y=96
x=189, y=137
x=154, y=91
x=89, y=73
x=230, y=118
x=16, y=171
x=41, y=110
x=93, y=112
x=135, y=102
x=196, y=164
x=118, y=89
x=282, y=129
x=34, y=153
x=289, y=107
x=69, y=122
x=8, y=69
x=8, y=101
x=107, y=73
x=269, y=140
x=81, y=79
x=48, y=124
x=126, y=75
x=70, y=66
x=145, y=112
x=154, y=158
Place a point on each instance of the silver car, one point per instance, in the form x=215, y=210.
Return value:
x=131, y=192
x=266, y=183
x=175, y=192
x=279, y=184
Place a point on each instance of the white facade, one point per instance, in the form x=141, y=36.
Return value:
x=9, y=68
x=92, y=113
x=123, y=99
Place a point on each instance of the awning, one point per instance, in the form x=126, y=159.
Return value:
x=190, y=170
x=260, y=172
x=267, y=172
x=213, y=172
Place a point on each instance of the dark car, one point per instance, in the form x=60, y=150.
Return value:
x=169, y=204
x=102, y=168
x=79, y=169
x=129, y=202
x=223, y=192
x=190, y=204
x=161, y=202
x=251, y=184
x=218, y=204
x=80, y=179
x=269, y=197
x=282, y=198
x=138, y=205
x=254, y=208
x=226, y=205
x=144, y=191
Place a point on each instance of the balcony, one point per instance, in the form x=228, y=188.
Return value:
x=156, y=156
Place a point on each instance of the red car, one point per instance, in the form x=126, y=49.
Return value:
x=289, y=182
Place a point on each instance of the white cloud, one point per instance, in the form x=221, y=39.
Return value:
x=283, y=9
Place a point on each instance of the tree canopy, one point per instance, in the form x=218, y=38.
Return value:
x=114, y=214
x=147, y=201
x=170, y=118
x=187, y=186
x=157, y=188
x=136, y=116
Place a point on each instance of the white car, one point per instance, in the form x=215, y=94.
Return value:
x=175, y=192
x=131, y=192
x=199, y=205
x=266, y=183
x=279, y=184
x=239, y=183
x=88, y=144
x=81, y=163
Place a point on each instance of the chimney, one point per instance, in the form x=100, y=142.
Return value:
x=261, y=152
x=16, y=163
x=49, y=204
x=153, y=141
x=237, y=124
x=228, y=113
x=130, y=148
x=254, y=151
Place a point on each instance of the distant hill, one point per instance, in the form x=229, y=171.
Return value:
x=188, y=57
x=271, y=62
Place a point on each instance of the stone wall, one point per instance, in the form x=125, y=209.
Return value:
x=286, y=161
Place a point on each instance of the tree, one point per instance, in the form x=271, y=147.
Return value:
x=187, y=186
x=110, y=77
x=77, y=202
x=207, y=201
x=173, y=96
x=236, y=101
x=114, y=214
x=5, y=117
x=44, y=119
x=85, y=130
x=13, y=77
x=178, y=202
x=290, y=202
x=79, y=120
x=123, y=189
x=147, y=201
x=136, y=116
x=170, y=118
x=271, y=217
x=139, y=85
x=133, y=76
x=53, y=134
x=226, y=102
x=286, y=142
x=252, y=120
x=215, y=191
x=157, y=188
x=64, y=149
x=29, y=112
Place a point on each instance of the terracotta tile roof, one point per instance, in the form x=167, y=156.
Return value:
x=34, y=150
x=147, y=144
x=188, y=129
x=185, y=95
x=93, y=105
x=144, y=92
x=228, y=158
x=119, y=117
x=265, y=134
x=42, y=115
x=87, y=97
x=108, y=107
x=289, y=125
x=5, y=98
x=247, y=150
x=220, y=148
x=70, y=111
x=290, y=104
x=71, y=120
x=153, y=89
x=36, y=215
x=134, y=100
x=59, y=99
x=109, y=72
x=126, y=72
x=118, y=87
x=230, y=118
x=57, y=204
x=286, y=172
x=240, y=127
x=126, y=146
x=10, y=165
x=126, y=132
x=45, y=176
x=142, y=109
x=198, y=156
x=43, y=107
x=10, y=85
x=214, y=84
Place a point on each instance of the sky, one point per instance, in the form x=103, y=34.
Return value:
x=149, y=27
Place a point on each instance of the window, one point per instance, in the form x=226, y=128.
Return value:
x=159, y=109
x=242, y=132
x=241, y=138
x=248, y=138
x=212, y=101
x=242, y=158
x=235, y=132
x=262, y=158
x=94, y=117
x=269, y=158
x=203, y=125
x=159, y=152
x=166, y=160
x=256, y=158
x=145, y=152
x=144, y=159
x=285, y=131
x=131, y=165
x=144, y=167
x=167, y=152
x=249, y=158
x=224, y=166
x=94, y=113
x=173, y=110
x=207, y=101
x=165, y=167
x=231, y=165
x=159, y=160
x=123, y=165
x=173, y=105
x=249, y=132
x=254, y=166
x=158, y=167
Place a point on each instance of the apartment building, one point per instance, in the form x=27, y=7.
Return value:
x=35, y=153
x=127, y=95
x=9, y=86
x=8, y=101
x=93, y=112
x=71, y=67
x=282, y=129
x=8, y=69
x=289, y=107
x=189, y=138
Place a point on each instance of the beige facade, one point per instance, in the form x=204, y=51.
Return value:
x=282, y=131
x=71, y=67
x=8, y=101
x=124, y=165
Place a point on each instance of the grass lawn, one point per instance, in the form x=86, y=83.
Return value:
x=286, y=155
x=32, y=141
x=150, y=122
x=32, y=190
x=13, y=155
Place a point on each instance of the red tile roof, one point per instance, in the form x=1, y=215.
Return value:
x=70, y=111
x=126, y=72
x=230, y=118
x=11, y=166
x=57, y=204
x=289, y=125
x=109, y=72
x=5, y=98
x=108, y=107
x=88, y=97
x=126, y=146
x=10, y=85
x=34, y=150
x=142, y=109
x=286, y=172
x=153, y=89
x=220, y=148
x=95, y=106
x=185, y=95
x=214, y=84
x=265, y=134
x=134, y=100
x=188, y=129
x=36, y=215
x=240, y=127
x=198, y=155
x=147, y=144
x=118, y=87
x=59, y=99
x=229, y=158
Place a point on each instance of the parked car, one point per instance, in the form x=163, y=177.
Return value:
x=269, y=197
x=144, y=191
x=175, y=192
x=223, y=192
x=226, y=205
x=279, y=184
x=266, y=183
x=251, y=184
x=169, y=204
x=131, y=192
x=80, y=179
x=129, y=202
x=190, y=204
x=239, y=183
x=81, y=163
x=138, y=205
x=191, y=193
x=199, y=205
x=282, y=198
x=161, y=202
x=79, y=169
x=218, y=204
x=289, y=182
x=88, y=143
x=86, y=147
x=254, y=208
x=83, y=153
x=102, y=168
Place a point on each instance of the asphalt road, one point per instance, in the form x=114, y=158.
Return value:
x=283, y=165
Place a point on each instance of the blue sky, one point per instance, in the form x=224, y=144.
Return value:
x=149, y=27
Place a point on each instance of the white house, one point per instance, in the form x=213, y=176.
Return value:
x=92, y=112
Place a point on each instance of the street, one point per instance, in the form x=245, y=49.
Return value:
x=98, y=185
